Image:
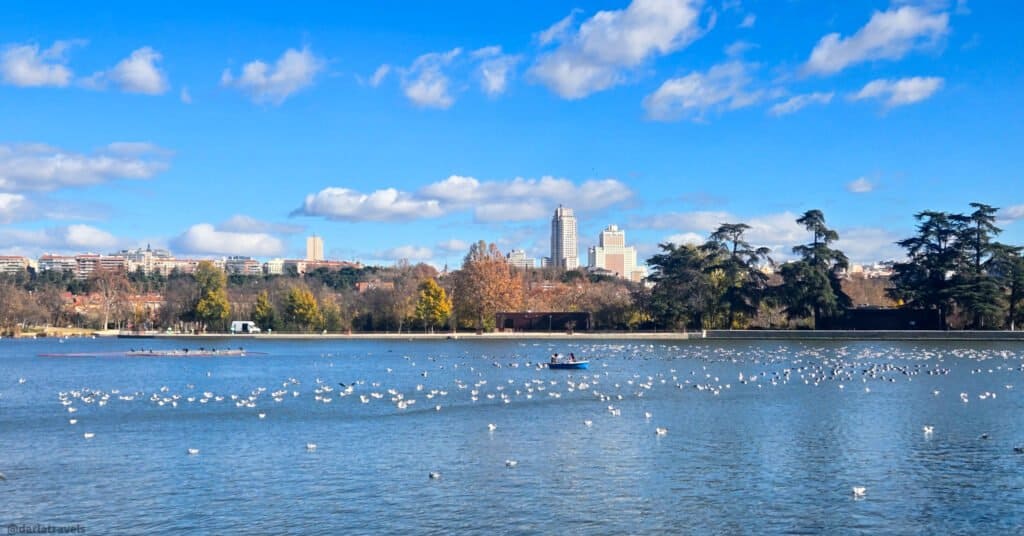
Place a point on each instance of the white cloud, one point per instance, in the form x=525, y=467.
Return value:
x=411, y=253
x=748, y=21
x=453, y=245
x=425, y=83
x=27, y=66
x=524, y=199
x=138, y=73
x=293, y=71
x=39, y=167
x=378, y=76
x=597, y=55
x=557, y=31
x=241, y=223
x=778, y=232
x=382, y=205
x=12, y=207
x=490, y=201
x=738, y=48
x=889, y=35
x=71, y=238
x=864, y=245
x=798, y=102
x=495, y=69
x=683, y=239
x=205, y=239
x=860, y=186
x=724, y=86
x=900, y=92
x=185, y=96
x=1012, y=213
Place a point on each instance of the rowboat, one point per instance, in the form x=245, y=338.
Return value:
x=569, y=365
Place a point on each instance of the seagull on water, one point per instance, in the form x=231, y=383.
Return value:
x=511, y=463
x=434, y=475
x=661, y=431
x=859, y=491
x=88, y=435
x=193, y=452
x=492, y=427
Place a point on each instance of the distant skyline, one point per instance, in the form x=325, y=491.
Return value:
x=410, y=130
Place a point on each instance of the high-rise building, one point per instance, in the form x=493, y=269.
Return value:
x=564, y=250
x=613, y=255
x=517, y=259
x=314, y=248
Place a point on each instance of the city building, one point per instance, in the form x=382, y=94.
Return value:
x=314, y=248
x=274, y=267
x=144, y=259
x=564, y=249
x=240, y=265
x=612, y=254
x=517, y=259
x=13, y=265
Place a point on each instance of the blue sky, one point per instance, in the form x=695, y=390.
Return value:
x=410, y=129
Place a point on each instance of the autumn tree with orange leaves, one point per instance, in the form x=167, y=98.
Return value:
x=486, y=284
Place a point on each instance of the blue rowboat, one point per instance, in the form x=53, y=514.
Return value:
x=569, y=365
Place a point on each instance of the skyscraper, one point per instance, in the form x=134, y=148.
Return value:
x=314, y=248
x=564, y=251
x=613, y=255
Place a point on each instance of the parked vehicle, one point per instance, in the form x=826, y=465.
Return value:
x=244, y=326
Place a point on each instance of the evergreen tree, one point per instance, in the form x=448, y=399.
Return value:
x=811, y=286
x=740, y=264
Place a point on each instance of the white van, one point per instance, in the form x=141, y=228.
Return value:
x=244, y=326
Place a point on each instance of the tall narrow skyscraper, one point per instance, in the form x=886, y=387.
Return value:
x=564, y=251
x=314, y=248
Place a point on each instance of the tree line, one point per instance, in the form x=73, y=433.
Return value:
x=955, y=267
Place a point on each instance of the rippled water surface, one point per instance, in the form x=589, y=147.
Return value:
x=778, y=451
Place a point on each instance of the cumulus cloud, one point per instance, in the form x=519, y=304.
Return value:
x=490, y=201
x=495, y=69
x=39, y=167
x=889, y=35
x=799, y=102
x=138, y=73
x=411, y=253
x=860, y=186
x=524, y=199
x=598, y=54
x=382, y=205
x=425, y=83
x=900, y=92
x=778, y=232
x=70, y=238
x=27, y=66
x=205, y=239
x=723, y=87
x=293, y=71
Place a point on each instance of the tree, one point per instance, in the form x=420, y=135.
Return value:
x=974, y=290
x=301, y=309
x=740, y=263
x=486, y=285
x=433, y=307
x=811, y=285
x=1007, y=267
x=213, y=306
x=112, y=288
x=683, y=287
x=263, y=312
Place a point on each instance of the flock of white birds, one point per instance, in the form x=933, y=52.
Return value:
x=848, y=368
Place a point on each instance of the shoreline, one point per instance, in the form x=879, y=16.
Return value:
x=707, y=335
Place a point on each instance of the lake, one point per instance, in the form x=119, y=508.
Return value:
x=757, y=437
